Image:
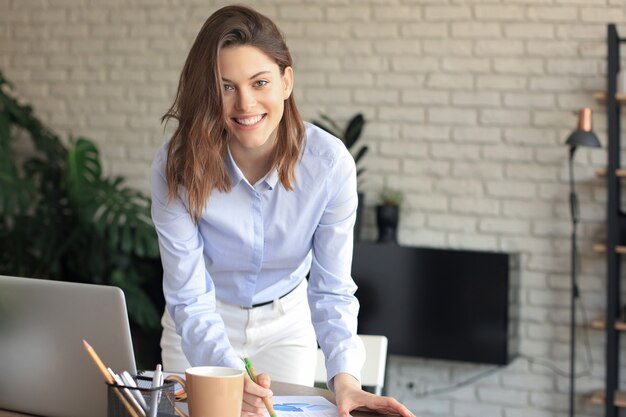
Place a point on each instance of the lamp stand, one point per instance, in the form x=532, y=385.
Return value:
x=582, y=136
x=573, y=199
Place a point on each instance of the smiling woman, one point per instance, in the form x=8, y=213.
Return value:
x=247, y=200
x=253, y=106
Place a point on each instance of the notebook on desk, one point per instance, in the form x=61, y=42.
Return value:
x=44, y=368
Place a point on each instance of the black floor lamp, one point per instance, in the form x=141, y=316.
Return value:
x=582, y=136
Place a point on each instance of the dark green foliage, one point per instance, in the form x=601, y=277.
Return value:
x=61, y=219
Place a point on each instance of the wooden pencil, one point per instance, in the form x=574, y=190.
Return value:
x=103, y=369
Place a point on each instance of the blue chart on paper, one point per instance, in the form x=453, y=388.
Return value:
x=304, y=406
x=300, y=407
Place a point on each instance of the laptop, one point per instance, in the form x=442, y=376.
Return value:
x=44, y=367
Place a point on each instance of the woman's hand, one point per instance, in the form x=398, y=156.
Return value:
x=349, y=396
x=253, y=394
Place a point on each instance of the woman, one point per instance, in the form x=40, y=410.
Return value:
x=247, y=200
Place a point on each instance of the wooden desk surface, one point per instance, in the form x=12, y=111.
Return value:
x=279, y=388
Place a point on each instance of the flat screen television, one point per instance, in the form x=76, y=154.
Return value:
x=437, y=303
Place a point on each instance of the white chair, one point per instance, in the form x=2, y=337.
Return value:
x=373, y=373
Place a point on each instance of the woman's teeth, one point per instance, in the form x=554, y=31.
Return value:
x=249, y=121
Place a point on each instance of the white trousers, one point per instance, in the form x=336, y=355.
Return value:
x=278, y=338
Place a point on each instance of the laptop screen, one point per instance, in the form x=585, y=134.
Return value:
x=45, y=367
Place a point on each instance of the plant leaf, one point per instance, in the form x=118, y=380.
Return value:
x=83, y=165
x=360, y=153
x=334, y=126
x=353, y=130
x=16, y=194
x=141, y=309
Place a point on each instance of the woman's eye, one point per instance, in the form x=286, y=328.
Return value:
x=261, y=83
x=228, y=87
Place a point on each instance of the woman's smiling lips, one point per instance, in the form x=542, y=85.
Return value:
x=249, y=121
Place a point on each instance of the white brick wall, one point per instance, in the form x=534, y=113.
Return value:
x=468, y=102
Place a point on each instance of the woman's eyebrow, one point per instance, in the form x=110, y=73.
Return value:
x=254, y=76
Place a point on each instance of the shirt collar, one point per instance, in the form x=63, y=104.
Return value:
x=272, y=178
x=236, y=176
x=234, y=172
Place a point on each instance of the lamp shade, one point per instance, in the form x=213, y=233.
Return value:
x=583, y=135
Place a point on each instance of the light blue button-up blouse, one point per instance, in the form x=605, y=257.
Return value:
x=256, y=243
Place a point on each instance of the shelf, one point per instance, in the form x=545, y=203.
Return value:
x=601, y=248
x=616, y=226
x=600, y=96
x=621, y=172
x=599, y=398
x=601, y=324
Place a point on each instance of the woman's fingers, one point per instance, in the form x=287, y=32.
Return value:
x=253, y=394
x=263, y=380
x=350, y=398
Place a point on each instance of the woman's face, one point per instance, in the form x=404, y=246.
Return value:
x=254, y=96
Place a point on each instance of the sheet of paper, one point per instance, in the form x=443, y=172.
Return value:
x=303, y=406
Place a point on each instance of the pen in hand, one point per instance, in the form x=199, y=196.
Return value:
x=266, y=400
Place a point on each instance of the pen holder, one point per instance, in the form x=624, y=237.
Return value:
x=123, y=401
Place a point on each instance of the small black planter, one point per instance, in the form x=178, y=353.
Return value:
x=387, y=217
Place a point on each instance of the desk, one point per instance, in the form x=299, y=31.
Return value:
x=279, y=388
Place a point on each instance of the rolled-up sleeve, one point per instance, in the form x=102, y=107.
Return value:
x=187, y=286
x=334, y=308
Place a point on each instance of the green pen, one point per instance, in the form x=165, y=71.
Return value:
x=252, y=374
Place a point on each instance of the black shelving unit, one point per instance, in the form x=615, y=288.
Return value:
x=616, y=226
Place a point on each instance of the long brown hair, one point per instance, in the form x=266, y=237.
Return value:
x=198, y=148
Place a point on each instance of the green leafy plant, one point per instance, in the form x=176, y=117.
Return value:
x=349, y=135
x=391, y=197
x=62, y=219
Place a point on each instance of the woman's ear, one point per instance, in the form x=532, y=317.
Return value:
x=287, y=78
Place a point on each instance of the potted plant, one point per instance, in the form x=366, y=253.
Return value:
x=349, y=136
x=388, y=214
x=62, y=219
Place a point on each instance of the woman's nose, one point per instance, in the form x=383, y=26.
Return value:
x=245, y=100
